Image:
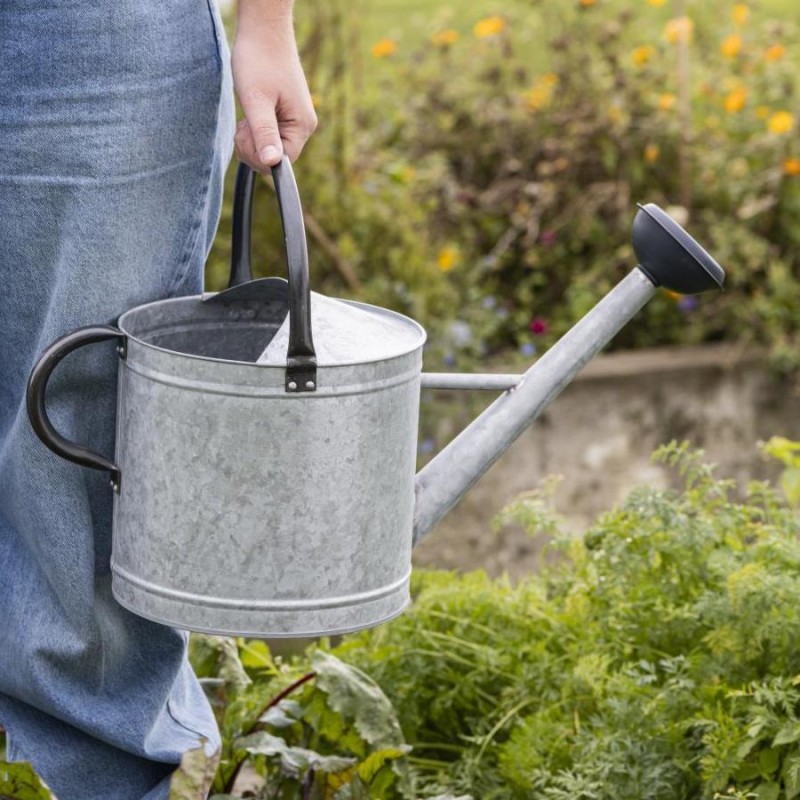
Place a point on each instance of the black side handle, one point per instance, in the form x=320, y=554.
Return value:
x=35, y=397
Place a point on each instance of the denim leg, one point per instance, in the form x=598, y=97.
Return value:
x=116, y=123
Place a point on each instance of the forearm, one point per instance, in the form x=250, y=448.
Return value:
x=269, y=81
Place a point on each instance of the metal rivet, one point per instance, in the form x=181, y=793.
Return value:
x=291, y=386
x=310, y=385
x=120, y=351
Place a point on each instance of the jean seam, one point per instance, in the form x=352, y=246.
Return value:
x=190, y=244
x=174, y=717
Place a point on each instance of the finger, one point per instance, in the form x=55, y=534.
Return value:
x=259, y=110
x=246, y=147
x=294, y=137
x=297, y=122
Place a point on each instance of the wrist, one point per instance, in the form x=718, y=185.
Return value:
x=274, y=15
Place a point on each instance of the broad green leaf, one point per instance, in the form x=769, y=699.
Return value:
x=790, y=773
x=787, y=734
x=204, y=653
x=768, y=791
x=284, y=715
x=231, y=669
x=294, y=761
x=20, y=782
x=356, y=696
x=376, y=761
x=192, y=780
x=769, y=761
x=255, y=655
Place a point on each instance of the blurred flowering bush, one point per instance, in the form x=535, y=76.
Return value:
x=484, y=179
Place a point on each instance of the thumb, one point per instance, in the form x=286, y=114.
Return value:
x=260, y=113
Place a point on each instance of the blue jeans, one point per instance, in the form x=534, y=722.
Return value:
x=116, y=126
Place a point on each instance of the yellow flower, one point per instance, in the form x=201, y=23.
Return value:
x=489, y=26
x=652, y=153
x=540, y=94
x=383, y=48
x=762, y=112
x=445, y=38
x=448, y=258
x=666, y=101
x=642, y=54
x=731, y=46
x=537, y=97
x=781, y=122
x=740, y=13
x=656, y=2
x=791, y=166
x=775, y=52
x=679, y=30
x=735, y=100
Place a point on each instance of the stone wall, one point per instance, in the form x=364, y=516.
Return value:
x=599, y=435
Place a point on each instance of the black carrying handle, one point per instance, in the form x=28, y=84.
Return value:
x=35, y=397
x=301, y=359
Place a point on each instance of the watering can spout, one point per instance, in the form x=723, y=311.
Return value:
x=668, y=257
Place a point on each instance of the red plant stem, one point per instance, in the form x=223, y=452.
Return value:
x=288, y=690
x=282, y=695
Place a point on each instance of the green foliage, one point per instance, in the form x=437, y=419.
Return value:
x=658, y=659
x=327, y=733
x=788, y=453
x=486, y=184
x=18, y=781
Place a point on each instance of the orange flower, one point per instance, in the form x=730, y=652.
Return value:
x=667, y=101
x=735, y=100
x=587, y=3
x=445, y=38
x=791, y=166
x=731, y=46
x=781, y=122
x=740, y=14
x=489, y=26
x=383, y=48
x=679, y=30
x=775, y=52
x=652, y=153
x=641, y=55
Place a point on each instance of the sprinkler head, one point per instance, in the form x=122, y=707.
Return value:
x=670, y=257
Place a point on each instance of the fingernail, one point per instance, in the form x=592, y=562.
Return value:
x=269, y=154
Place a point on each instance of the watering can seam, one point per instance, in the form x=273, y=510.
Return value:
x=278, y=389
x=282, y=605
x=257, y=633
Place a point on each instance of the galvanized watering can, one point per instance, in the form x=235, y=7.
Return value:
x=273, y=498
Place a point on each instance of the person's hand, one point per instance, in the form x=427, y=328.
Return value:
x=270, y=85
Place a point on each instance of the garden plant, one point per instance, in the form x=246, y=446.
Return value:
x=656, y=658
x=483, y=177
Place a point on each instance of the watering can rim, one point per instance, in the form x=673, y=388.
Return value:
x=419, y=330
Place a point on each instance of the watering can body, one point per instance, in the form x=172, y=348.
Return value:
x=249, y=502
x=247, y=510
